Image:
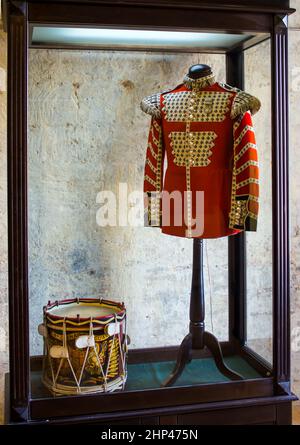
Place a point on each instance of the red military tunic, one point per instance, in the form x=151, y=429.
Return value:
x=201, y=139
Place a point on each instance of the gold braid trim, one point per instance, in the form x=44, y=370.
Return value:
x=151, y=165
x=159, y=158
x=253, y=198
x=246, y=182
x=152, y=151
x=156, y=126
x=198, y=84
x=243, y=132
x=252, y=215
x=156, y=141
x=243, y=150
x=153, y=212
x=239, y=213
x=150, y=180
x=246, y=165
x=233, y=201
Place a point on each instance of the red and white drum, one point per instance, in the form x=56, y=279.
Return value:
x=85, y=346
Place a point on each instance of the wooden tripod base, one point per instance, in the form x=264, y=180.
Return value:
x=198, y=338
x=185, y=356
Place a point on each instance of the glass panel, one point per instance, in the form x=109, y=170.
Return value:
x=259, y=244
x=216, y=287
x=134, y=39
x=87, y=135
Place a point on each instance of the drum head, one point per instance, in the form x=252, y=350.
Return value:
x=84, y=309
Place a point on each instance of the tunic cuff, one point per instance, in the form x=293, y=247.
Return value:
x=153, y=214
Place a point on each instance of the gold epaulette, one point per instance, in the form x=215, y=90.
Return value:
x=151, y=105
x=242, y=102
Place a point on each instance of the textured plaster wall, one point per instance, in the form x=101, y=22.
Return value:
x=87, y=134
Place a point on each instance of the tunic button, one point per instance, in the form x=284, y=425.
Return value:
x=191, y=116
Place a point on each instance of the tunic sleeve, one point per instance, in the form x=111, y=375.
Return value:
x=153, y=174
x=245, y=175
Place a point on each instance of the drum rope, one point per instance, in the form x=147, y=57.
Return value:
x=65, y=347
x=121, y=354
x=100, y=366
x=87, y=350
x=112, y=345
x=125, y=353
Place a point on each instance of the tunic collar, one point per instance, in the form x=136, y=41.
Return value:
x=198, y=84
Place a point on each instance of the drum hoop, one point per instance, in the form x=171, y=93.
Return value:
x=101, y=320
x=62, y=389
x=85, y=321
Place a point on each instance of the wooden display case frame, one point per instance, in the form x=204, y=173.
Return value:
x=265, y=400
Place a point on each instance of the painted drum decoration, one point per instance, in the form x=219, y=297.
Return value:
x=85, y=346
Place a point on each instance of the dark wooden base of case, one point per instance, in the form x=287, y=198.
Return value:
x=246, y=402
x=275, y=410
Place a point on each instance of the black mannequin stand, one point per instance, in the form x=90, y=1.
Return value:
x=198, y=338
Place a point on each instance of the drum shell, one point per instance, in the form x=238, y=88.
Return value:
x=95, y=368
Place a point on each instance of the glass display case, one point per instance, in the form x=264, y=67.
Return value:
x=77, y=136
